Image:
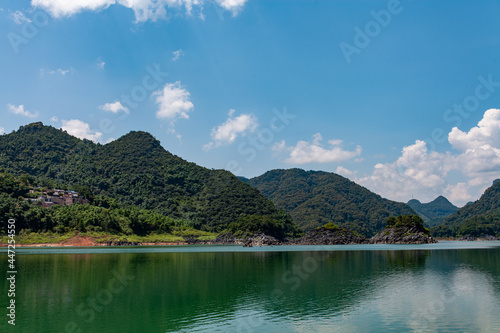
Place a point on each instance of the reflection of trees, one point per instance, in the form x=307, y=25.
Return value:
x=407, y=259
x=175, y=291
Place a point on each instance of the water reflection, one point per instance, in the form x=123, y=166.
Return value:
x=344, y=291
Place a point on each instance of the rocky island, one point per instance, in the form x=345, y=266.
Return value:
x=404, y=230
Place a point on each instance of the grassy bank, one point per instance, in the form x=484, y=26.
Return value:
x=33, y=238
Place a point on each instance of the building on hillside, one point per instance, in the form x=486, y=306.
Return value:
x=49, y=198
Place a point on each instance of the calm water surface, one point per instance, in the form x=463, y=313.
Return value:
x=445, y=287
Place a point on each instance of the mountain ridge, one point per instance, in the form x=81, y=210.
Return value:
x=435, y=211
x=315, y=198
x=136, y=170
x=476, y=219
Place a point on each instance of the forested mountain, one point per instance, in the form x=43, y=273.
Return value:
x=314, y=198
x=136, y=171
x=433, y=212
x=476, y=219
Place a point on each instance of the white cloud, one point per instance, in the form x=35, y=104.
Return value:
x=426, y=175
x=114, y=107
x=19, y=17
x=315, y=152
x=59, y=8
x=177, y=54
x=144, y=10
x=234, y=6
x=19, y=110
x=345, y=172
x=2, y=130
x=54, y=119
x=417, y=172
x=173, y=102
x=459, y=192
x=80, y=129
x=100, y=63
x=60, y=71
x=231, y=129
x=485, y=135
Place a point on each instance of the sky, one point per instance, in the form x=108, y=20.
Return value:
x=402, y=97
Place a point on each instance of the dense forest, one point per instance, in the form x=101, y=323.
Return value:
x=314, y=198
x=434, y=212
x=476, y=219
x=138, y=174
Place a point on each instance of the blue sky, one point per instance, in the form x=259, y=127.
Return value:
x=399, y=96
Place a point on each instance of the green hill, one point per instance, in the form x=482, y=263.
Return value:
x=314, y=198
x=136, y=170
x=476, y=219
x=435, y=211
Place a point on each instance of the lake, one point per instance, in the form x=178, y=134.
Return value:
x=444, y=287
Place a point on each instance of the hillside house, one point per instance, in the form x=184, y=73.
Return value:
x=49, y=198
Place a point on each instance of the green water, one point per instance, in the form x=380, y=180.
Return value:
x=374, y=288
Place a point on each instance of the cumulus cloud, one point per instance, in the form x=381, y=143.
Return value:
x=345, y=172
x=485, y=135
x=426, y=175
x=2, y=130
x=59, y=8
x=234, y=6
x=231, y=129
x=144, y=10
x=80, y=129
x=173, y=102
x=114, y=107
x=417, y=172
x=19, y=110
x=177, y=54
x=315, y=152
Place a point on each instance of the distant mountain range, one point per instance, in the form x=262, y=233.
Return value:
x=475, y=219
x=435, y=211
x=135, y=170
x=314, y=198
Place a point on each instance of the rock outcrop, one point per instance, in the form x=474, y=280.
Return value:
x=402, y=236
x=332, y=235
x=260, y=240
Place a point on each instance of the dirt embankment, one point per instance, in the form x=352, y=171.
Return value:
x=89, y=241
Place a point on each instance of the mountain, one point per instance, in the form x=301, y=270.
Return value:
x=314, y=198
x=476, y=219
x=136, y=170
x=435, y=211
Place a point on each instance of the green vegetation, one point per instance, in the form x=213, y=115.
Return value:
x=434, y=212
x=280, y=228
x=134, y=186
x=330, y=226
x=316, y=198
x=413, y=223
x=478, y=219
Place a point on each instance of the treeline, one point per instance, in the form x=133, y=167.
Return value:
x=477, y=219
x=103, y=214
x=107, y=215
x=137, y=172
x=315, y=198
